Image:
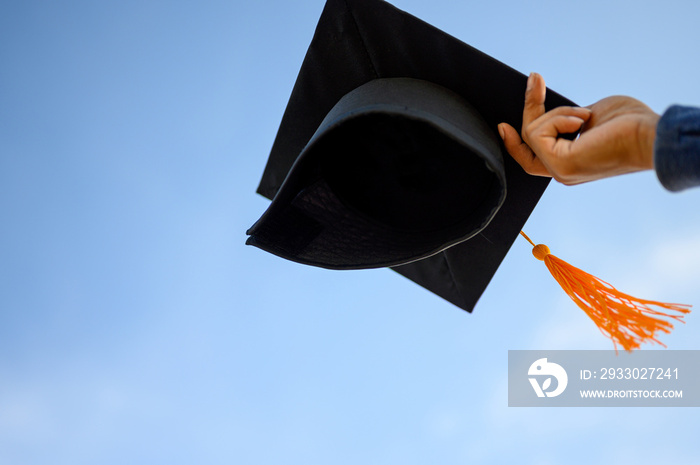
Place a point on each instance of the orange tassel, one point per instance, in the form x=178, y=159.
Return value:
x=627, y=320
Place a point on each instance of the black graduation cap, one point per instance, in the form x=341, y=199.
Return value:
x=388, y=155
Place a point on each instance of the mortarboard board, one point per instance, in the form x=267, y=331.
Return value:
x=387, y=155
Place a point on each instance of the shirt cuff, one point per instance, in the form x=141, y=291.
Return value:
x=677, y=148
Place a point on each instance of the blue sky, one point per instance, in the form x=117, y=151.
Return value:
x=136, y=327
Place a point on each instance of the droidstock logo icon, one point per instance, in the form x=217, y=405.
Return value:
x=545, y=370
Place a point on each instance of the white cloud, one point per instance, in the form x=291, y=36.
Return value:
x=25, y=414
x=679, y=259
x=568, y=328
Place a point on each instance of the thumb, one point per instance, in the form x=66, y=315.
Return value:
x=520, y=151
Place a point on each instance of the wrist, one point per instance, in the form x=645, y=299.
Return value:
x=646, y=138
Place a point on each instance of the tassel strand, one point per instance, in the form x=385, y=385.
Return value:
x=628, y=321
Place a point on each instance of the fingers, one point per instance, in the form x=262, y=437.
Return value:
x=535, y=118
x=554, y=125
x=520, y=151
x=534, y=99
x=540, y=150
x=577, y=112
x=542, y=134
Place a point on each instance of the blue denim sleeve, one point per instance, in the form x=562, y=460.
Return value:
x=677, y=148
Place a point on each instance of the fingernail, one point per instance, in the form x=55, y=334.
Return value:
x=502, y=131
x=530, y=81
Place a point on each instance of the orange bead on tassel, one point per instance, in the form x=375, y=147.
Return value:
x=627, y=320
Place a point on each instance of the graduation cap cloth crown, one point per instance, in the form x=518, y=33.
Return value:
x=387, y=155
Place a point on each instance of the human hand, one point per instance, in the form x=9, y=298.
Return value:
x=617, y=137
